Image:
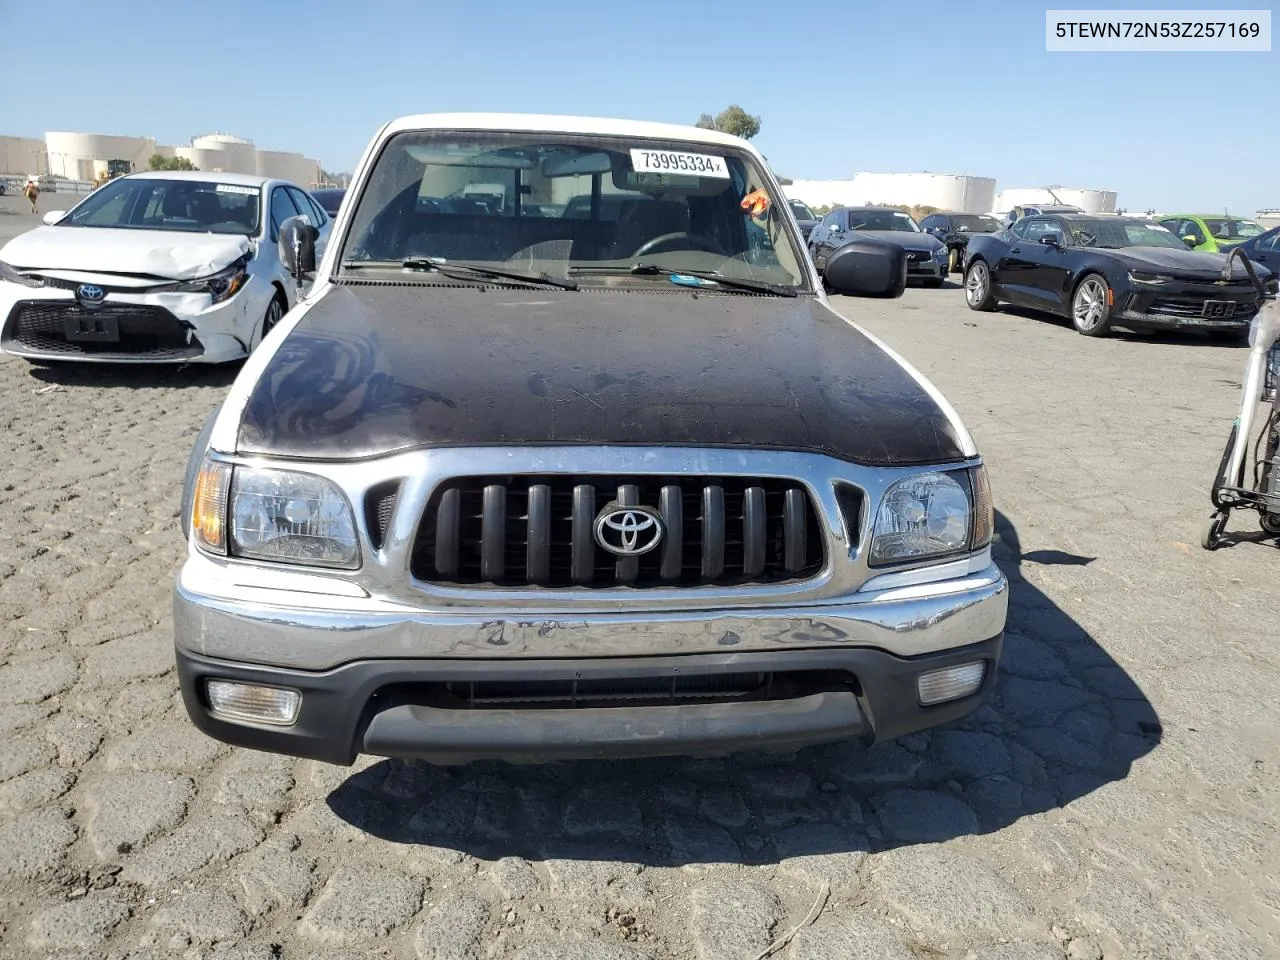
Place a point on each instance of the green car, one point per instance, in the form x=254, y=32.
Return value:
x=1211, y=232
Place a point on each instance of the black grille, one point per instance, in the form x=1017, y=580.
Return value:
x=143, y=330
x=642, y=691
x=539, y=530
x=1196, y=307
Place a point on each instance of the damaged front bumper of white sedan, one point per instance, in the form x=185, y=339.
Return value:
x=107, y=320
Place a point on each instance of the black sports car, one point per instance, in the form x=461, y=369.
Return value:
x=926, y=254
x=955, y=229
x=1107, y=271
x=806, y=219
x=1264, y=249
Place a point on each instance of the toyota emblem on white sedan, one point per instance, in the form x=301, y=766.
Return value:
x=90, y=295
x=628, y=531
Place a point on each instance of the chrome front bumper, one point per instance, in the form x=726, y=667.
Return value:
x=904, y=622
x=371, y=683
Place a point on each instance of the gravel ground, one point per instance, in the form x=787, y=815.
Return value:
x=1117, y=798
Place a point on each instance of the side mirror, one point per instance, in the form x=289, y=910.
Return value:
x=53, y=216
x=1051, y=240
x=298, y=247
x=1191, y=240
x=868, y=268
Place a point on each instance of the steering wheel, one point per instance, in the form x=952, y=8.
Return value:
x=680, y=240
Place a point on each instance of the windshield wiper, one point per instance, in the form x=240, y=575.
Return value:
x=470, y=271
x=461, y=271
x=730, y=283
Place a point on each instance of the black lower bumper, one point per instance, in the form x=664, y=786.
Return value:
x=1188, y=306
x=383, y=707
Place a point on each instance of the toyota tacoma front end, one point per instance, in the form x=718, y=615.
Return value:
x=580, y=464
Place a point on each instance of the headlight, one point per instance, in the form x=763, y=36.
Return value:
x=940, y=253
x=12, y=275
x=276, y=515
x=933, y=515
x=222, y=285
x=1138, y=276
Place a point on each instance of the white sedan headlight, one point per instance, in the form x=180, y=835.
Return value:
x=932, y=515
x=276, y=515
x=220, y=286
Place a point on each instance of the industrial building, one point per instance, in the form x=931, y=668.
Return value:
x=85, y=156
x=24, y=155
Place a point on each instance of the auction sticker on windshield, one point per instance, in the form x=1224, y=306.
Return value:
x=235, y=188
x=670, y=161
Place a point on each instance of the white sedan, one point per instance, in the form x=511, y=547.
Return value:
x=162, y=267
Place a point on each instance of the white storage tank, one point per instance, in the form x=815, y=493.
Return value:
x=72, y=155
x=957, y=194
x=222, y=153
x=288, y=166
x=951, y=192
x=1088, y=200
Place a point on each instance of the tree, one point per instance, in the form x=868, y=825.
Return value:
x=158, y=162
x=732, y=120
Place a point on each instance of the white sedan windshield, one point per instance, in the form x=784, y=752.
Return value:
x=187, y=206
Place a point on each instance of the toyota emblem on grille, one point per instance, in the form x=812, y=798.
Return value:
x=628, y=531
x=90, y=295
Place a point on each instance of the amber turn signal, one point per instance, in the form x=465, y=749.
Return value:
x=983, y=509
x=209, y=506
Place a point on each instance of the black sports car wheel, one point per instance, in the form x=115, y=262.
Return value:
x=977, y=287
x=1091, y=306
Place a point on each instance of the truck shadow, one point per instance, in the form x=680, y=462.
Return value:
x=1064, y=719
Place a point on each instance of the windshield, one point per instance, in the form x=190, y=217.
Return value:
x=974, y=224
x=188, y=206
x=1115, y=234
x=882, y=220
x=594, y=206
x=1226, y=229
x=802, y=212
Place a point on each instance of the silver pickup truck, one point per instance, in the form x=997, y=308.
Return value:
x=583, y=467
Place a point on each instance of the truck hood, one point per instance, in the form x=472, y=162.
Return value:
x=374, y=369
x=170, y=254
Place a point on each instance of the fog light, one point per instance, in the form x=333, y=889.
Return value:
x=253, y=704
x=950, y=683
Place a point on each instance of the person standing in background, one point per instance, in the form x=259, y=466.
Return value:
x=31, y=191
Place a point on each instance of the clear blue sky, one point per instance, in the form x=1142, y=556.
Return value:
x=847, y=85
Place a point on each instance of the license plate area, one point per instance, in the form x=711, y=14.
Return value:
x=1218, y=309
x=91, y=328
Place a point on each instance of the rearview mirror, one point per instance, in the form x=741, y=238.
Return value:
x=868, y=268
x=583, y=163
x=53, y=216
x=298, y=247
